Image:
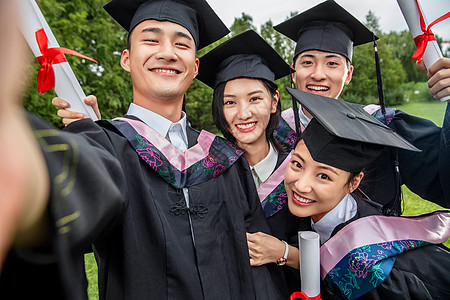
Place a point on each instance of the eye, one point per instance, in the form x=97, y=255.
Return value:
x=323, y=176
x=229, y=102
x=306, y=62
x=296, y=164
x=333, y=63
x=255, y=99
x=183, y=45
x=150, y=41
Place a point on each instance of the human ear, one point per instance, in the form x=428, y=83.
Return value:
x=197, y=64
x=125, y=60
x=354, y=183
x=275, y=100
x=348, y=78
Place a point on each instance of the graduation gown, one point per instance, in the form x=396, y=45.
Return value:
x=420, y=272
x=282, y=223
x=425, y=173
x=150, y=253
x=86, y=182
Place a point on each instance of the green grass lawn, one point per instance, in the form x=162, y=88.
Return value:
x=430, y=110
x=413, y=204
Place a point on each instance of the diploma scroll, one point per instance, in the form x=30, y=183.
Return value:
x=309, y=252
x=66, y=85
x=411, y=12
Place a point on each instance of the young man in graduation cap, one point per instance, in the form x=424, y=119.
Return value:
x=383, y=257
x=325, y=36
x=190, y=196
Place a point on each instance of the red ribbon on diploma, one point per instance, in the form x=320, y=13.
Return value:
x=301, y=295
x=423, y=39
x=50, y=56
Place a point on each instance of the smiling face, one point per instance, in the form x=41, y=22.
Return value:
x=161, y=61
x=322, y=73
x=247, y=106
x=314, y=188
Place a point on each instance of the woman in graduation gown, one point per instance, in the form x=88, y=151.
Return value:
x=246, y=109
x=364, y=254
x=325, y=37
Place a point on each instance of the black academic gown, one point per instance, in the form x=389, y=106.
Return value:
x=417, y=274
x=285, y=226
x=86, y=182
x=425, y=173
x=150, y=254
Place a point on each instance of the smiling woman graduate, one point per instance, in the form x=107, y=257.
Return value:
x=246, y=109
x=364, y=254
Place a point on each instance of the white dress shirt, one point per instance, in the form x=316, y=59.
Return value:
x=262, y=170
x=344, y=211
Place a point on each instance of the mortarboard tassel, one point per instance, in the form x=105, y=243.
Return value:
x=298, y=129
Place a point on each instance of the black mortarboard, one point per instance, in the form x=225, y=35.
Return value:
x=343, y=134
x=327, y=27
x=245, y=55
x=194, y=15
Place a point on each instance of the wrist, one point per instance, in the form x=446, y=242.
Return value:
x=283, y=260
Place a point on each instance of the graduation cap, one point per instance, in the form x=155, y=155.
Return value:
x=343, y=134
x=194, y=15
x=327, y=27
x=245, y=55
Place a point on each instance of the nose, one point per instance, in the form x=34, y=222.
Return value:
x=303, y=185
x=167, y=52
x=318, y=73
x=244, y=112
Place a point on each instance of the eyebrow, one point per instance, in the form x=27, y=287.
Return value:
x=249, y=94
x=160, y=31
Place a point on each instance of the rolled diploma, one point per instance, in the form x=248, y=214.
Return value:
x=412, y=17
x=67, y=86
x=309, y=262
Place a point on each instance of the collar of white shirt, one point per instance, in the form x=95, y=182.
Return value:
x=344, y=211
x=160, y=124
x=303, y=118
x=262, y=170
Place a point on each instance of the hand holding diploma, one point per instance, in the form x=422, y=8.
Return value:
x=55, y=70
x=427, y=47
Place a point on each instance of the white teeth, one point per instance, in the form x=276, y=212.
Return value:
x=301, y=199
x=165, y=71
x=317, y=88
x=245, y=126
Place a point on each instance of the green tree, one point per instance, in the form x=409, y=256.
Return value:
x=245, y=22
x=402, y=47
x=84, y=26
x=363, y=87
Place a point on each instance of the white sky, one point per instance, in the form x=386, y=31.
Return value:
x=388, y=11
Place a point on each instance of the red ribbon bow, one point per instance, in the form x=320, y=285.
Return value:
x=301, y=295
x=423, y=39
x=50, y=56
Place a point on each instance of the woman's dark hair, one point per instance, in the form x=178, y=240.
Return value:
x=224, y=127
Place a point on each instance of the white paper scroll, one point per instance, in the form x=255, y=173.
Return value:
x=412, y=17
x=67, y=86
x=309, y=246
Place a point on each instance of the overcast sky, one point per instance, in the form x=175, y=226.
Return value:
x=388, y=11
